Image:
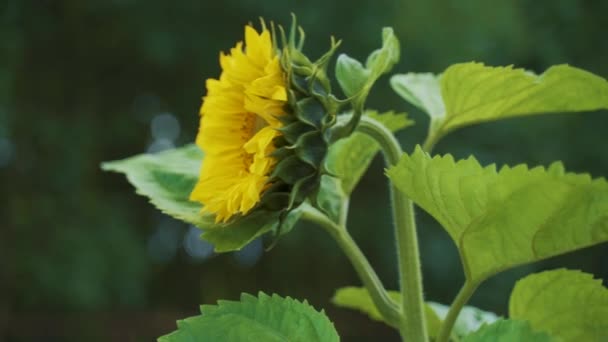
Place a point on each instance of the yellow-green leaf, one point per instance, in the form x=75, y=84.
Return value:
x=423, y=90
x=567, y=304
x=473, y=92
x=357, y=298
x=469, y=318
x=501, y=219
x=470, y=93
x=508, y=331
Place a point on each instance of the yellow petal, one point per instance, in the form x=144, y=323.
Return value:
x=238, y=127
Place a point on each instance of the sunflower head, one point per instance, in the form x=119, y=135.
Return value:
x=264, y=127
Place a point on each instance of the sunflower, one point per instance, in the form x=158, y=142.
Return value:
x=240, y=119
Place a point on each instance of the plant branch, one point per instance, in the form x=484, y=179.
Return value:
x=461, y=299
x=432, y=138
x=385, y=305
x=429, y=143
x=413, y=324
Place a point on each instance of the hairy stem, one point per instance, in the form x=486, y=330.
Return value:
x=385, y=305
x=413, y=321
x=461, y=299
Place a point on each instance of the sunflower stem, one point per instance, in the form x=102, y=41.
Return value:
x=385, y=305
x=413, y=322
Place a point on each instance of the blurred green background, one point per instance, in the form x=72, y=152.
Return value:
x=82, y=257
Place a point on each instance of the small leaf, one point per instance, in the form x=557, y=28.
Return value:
x=166, y=179
x=508, y=331
x=567, y=304
x=382, y=60
x=469, y=319
x=356, y=80
x=349, y=158
x=421, y=90
x=265, y=318
x=351, y=75
x=357, y=298
x=502, y=219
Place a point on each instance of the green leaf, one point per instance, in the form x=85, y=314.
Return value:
x=475, y=93
x=567, y=304
x=423, y=91
x=470, y=93
x=237, y=234
x=356, y=80
x=382, y=60
x=351, y=75
x=265, y=318
x=357, y=298
x=469, y=319
x=508, y=331
x=348, y=158
x=167, y=178
x=502, y=219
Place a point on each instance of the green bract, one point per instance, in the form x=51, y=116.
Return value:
x=302, y=148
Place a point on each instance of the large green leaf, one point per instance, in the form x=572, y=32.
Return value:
x=473, y=93
x=567, y=304
x=265, y=318
x=508, y=331
x=357, y=80
x=501, y=219
x=167, y=178
x=358, y=298
x=349, y=158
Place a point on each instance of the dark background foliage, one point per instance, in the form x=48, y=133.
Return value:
x=84, y=258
